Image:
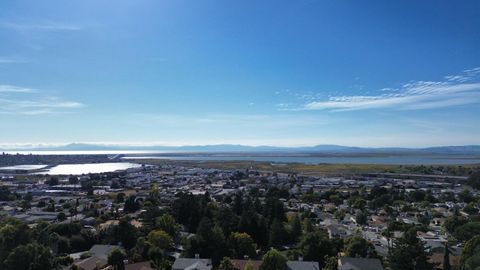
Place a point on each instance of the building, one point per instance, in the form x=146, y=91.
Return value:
x=348, y=263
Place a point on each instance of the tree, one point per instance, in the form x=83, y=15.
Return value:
x=131, y=205
x=125, y=233
x=474, y=180
x=315, y=246
x=296, y=228
x=248, y=266
x=273, y=260
x=361, y=218
x=116, y=259
x=470, y=209
x=160, y=239
x=61, y=216
x=154, y=194
x=73, y=180
x=217, y=245
x=339, y=214
x=446, y=258
x=307, y=225
x=226, y=264
x=331, y=263
x=168, y=224
x=357, y=246
x=453, y=222
x=32, y=257
x=465, y=196
x=408, y=253
x=158, y=259
x=53, y=181
x=120, y=197
x=470, y=257
x=467, y=231
x=242, y=244
x=277, y=233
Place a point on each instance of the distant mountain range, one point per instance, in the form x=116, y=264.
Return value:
x=466, y=149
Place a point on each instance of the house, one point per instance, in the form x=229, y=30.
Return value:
x=291, y=265
x=192, y=264
x=240, y=264
x=102, y=251
x=98, y=257
x=139, y=266
x=302, y=265
x=348, y=263
x=91, y=263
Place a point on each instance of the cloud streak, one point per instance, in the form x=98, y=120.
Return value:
x=42, y=26
x=4, y=60
x=26, y=101
x=452, y=91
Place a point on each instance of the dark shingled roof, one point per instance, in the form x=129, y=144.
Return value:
x=192, y=264
x=301, y=265
x=348, y=263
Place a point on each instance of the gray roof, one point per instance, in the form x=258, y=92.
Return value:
x=192, y=264
x=348, y=263
x=102, y=251
x=301, y=265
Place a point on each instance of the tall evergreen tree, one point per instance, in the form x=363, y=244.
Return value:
x=408, y=253
x=446, y=258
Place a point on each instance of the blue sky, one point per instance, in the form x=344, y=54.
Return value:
x=304, y=72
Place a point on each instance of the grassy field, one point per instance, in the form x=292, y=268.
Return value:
x=300, y=168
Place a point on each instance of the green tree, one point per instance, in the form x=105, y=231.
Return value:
x=465, y=196
x=296, y=228
x=339, y=214
x=226, y=264
x=453, y=222
x=315, y=246
x=474, y=180
x=470, y=209
x=168, y=224
x=273, y=260
x=61, y=216
x=242, y=244
x=361, y=218
x=158, y=259
x=467, y=231
x=217, y=245
x=248, y=266
x=357, y=246
x=446, y=258
x=32, y=257
x=408, y=253
x=131, y=205
x=116, y=259
x=160, y=239
x=470, y=257
x=331, y=263
x=277, y=233
x=53, y=181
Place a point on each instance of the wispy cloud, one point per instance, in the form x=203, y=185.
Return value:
x=32, y=102
x=454, y=90
x=5, y=88
x=41, y=26
x=7, y=60
x=232, y=120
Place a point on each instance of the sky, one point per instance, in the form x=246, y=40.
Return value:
x=279, y=72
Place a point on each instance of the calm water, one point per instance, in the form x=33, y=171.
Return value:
x=23, y=167
x=394, y=159
x=77, y=169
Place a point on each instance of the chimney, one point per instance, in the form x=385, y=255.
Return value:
x=197, y=256
x=300, y=258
